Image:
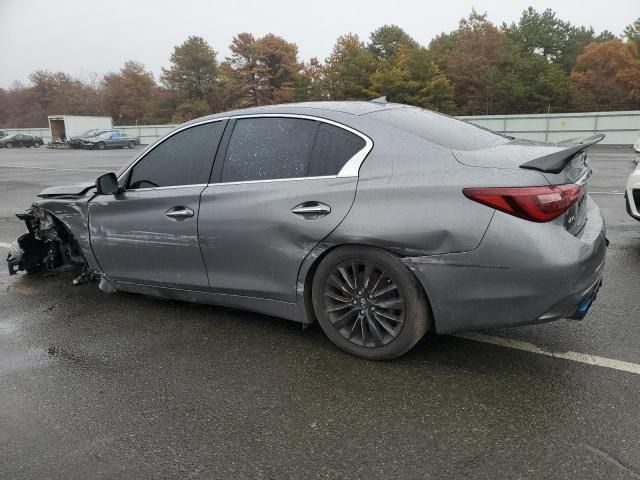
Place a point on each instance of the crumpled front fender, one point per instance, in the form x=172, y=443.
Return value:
x=46, y=246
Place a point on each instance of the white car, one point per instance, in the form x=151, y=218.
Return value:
x=636, y=148
x=632, y=193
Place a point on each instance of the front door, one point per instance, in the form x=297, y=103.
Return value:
x=148, y=234
x=276, y=196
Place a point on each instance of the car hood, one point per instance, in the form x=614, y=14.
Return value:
x=77, y=190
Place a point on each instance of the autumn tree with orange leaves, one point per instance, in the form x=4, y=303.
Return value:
x=607, y=76
x=539, y=64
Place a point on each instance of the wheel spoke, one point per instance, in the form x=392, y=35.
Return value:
x=383, y=323
x=354, y=328
x=394, y=303
x=343, y=320
x=354, y=270
x=341, y=285
x=375, y=285
x=389, y=317
x=362, y=328
x=377, y=334
x=344, y=274
x=368, y=269
x=337, y=297
x=389, y=288
x=337, y=308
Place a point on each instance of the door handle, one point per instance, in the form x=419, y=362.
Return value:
x=179, y=213
x=311, y=209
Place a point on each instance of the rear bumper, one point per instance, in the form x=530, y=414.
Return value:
x=522, y=273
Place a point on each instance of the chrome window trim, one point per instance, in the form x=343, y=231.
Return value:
x=274, y=180
x=350, y=169
x=200, y=185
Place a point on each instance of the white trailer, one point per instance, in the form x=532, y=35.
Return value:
x=75, y=125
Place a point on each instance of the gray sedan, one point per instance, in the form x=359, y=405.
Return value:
x=380, y=221
x=110, y=139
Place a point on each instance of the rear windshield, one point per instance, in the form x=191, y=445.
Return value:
x=440, y=129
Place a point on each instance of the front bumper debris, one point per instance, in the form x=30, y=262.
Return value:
x=46, y=247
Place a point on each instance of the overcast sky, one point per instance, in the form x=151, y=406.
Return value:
x=85, y=36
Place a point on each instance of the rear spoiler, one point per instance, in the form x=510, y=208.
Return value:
x=555, y=162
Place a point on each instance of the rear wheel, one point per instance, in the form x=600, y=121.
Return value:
x=37, y=144
x=8, y=145
x=131, y=144
x=368, y=303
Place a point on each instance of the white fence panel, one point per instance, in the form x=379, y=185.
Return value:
x=620, y=128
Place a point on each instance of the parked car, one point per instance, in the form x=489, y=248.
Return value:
x=20, y=140
x=636, y=148
x=77, y=142
x=2, y=133
x=632, y=194
x=111, y=139
x=382, y=221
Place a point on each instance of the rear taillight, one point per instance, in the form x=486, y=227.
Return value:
x=537, y=204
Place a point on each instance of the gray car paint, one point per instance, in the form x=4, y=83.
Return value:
x=253, y=244
x=478, y=267
x=134, y=241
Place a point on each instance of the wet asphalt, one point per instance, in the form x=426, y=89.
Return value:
x=125, y=386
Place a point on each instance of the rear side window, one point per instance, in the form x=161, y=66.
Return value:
x=268, y=148
x=333, y=148
x=182, y=159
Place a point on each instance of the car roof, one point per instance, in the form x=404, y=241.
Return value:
x=356, y=108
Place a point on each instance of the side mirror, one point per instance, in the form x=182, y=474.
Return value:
x=107, y=184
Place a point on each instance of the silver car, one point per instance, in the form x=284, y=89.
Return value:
x=380, y=221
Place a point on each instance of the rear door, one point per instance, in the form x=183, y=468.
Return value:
x=280, y=186
x=148, y=234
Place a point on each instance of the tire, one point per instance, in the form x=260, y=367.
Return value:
x=131, y=144
x=101, y=146
x=8, y=145
x=391, y=314
x=37, y=144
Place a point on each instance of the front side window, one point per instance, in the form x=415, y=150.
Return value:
x=268, y=148
x=182, y=159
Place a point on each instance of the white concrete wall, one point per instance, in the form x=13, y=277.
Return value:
x=620, y=128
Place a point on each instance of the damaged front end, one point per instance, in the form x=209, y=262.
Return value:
x=47, y=246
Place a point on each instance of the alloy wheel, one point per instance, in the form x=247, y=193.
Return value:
x=364, y=303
